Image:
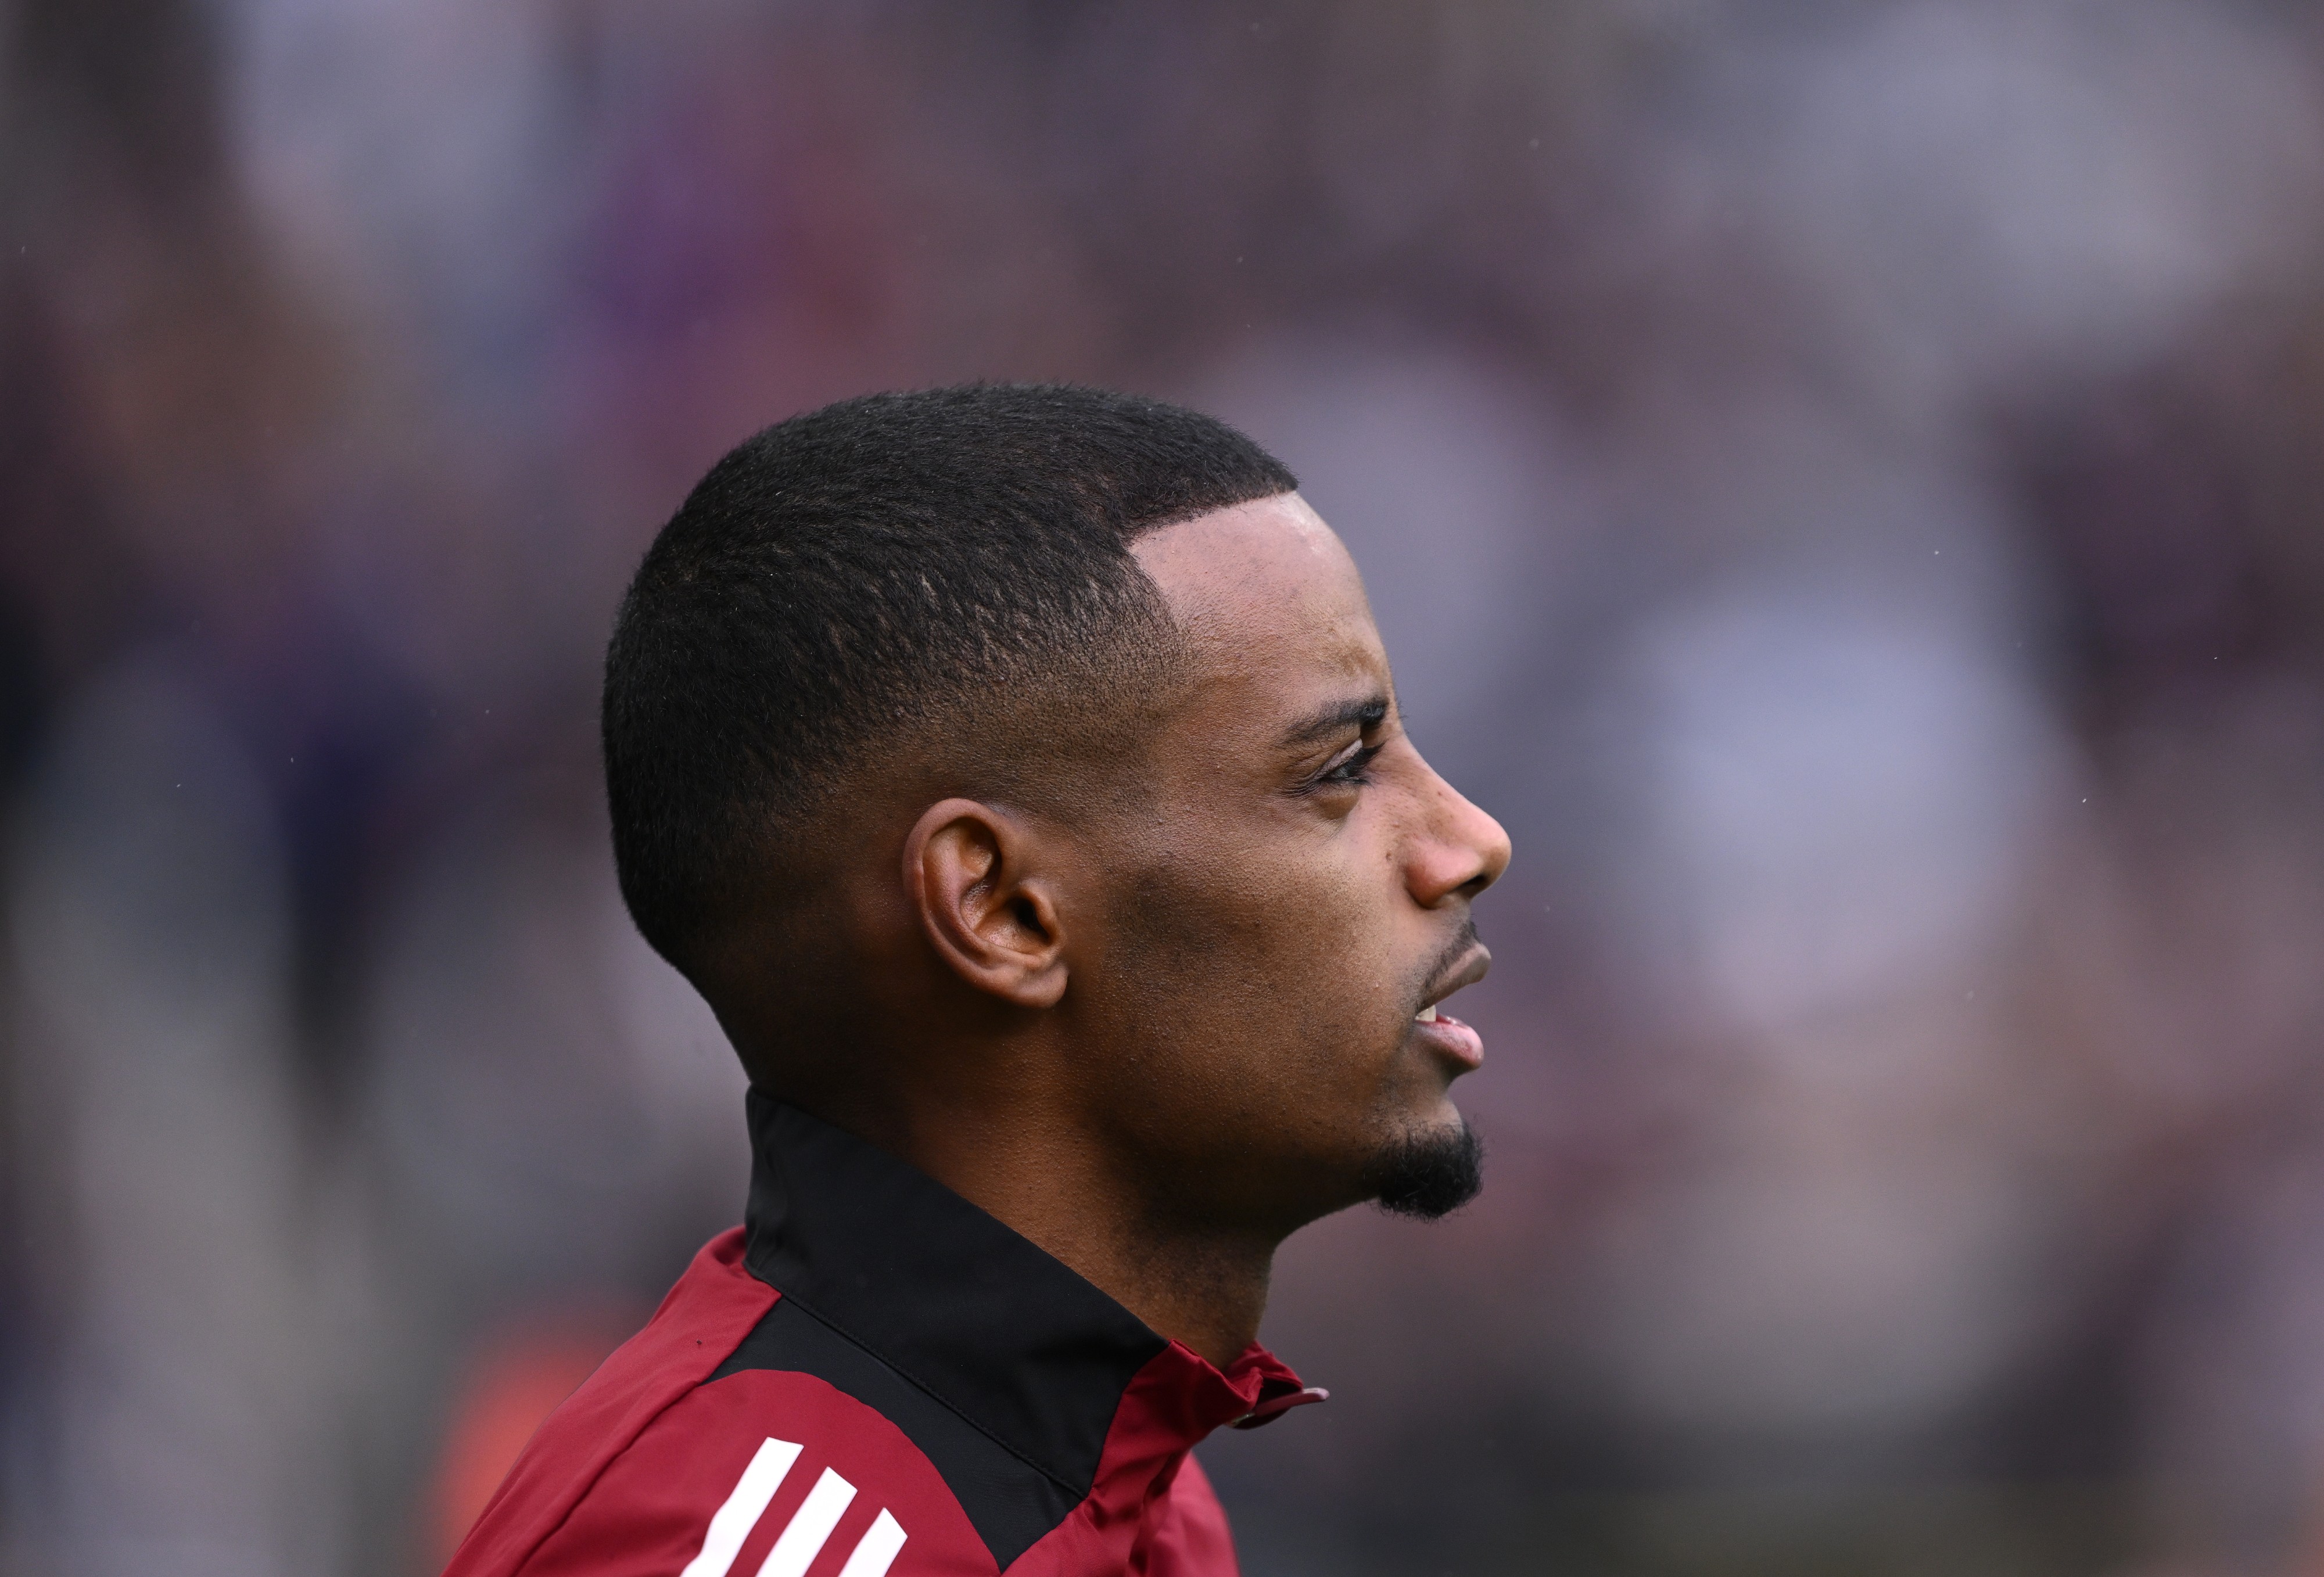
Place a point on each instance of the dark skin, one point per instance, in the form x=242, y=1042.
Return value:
x=1157, y=1038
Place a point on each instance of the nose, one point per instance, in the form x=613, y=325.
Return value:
x=1460, y=850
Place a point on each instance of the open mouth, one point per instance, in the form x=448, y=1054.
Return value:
x=1450, y=1038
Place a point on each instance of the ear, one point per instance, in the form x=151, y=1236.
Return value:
x=982, y=903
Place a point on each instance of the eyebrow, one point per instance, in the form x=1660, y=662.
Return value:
x=1366, y=712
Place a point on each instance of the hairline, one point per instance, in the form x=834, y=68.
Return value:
x=810, y=805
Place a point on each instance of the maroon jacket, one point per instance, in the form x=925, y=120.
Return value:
x=872, y=1376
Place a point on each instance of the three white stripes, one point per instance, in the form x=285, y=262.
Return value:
x=810, y=1526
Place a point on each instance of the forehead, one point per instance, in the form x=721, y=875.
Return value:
x=1267, y=593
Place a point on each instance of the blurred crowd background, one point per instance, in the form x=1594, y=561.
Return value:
x=1841, y=479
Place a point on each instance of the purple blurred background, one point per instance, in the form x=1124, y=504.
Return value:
x=1843, y=482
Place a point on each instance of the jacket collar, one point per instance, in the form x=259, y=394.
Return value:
x=976, y=1316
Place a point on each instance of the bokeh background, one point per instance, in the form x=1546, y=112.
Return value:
x=1842, y=479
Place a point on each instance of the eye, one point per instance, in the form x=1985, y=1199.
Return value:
x=1348, y=770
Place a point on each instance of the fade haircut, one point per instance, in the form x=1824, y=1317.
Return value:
x=947, y=572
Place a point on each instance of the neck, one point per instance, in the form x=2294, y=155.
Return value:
x=1199, y=1284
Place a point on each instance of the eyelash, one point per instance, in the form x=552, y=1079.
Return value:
x=1348, y=773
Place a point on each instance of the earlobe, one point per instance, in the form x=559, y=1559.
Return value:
x=971, y=874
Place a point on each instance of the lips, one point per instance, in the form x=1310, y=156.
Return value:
x=1449, y=1038
x=1452, y=1040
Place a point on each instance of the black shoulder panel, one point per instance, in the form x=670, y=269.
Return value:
x=1011, y=1502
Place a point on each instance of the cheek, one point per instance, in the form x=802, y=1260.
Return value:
x=1273, y=989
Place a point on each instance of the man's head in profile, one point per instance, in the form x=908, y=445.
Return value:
x=1018, y=772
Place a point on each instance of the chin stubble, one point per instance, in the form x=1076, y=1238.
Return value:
x=1426, y=1175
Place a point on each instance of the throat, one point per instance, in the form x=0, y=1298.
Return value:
x=1197, y=1284
x=1209, y=1296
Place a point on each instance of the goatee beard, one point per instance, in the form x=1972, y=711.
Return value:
x=1427, y=1176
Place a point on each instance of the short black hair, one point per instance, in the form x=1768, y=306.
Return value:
x=922, y=564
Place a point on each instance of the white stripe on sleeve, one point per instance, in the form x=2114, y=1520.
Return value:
x=731, y=1523
x=875, y=1552
x=811, y=1524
